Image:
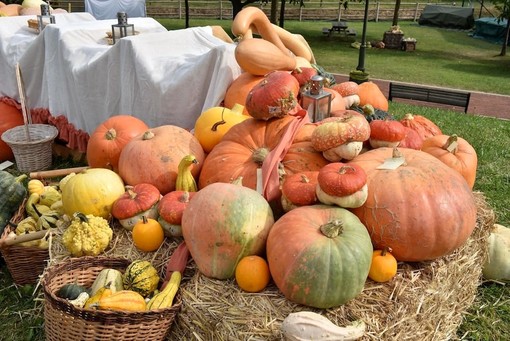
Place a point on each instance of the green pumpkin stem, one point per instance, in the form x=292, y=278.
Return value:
x=260, y=155
x=20, y=178
x=332, y=229
x=82, y=217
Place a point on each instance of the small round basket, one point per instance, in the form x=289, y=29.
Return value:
x=64, y=321
x=25, y=263
x=33, y=152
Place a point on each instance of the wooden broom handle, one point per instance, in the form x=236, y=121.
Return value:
x=56, y=172
x=26, y=237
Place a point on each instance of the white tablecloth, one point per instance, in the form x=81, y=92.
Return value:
x=15, y=38
x=160, y=76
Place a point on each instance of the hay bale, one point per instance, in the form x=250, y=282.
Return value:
x=425, y=301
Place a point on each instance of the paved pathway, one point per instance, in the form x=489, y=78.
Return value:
x=480, y=103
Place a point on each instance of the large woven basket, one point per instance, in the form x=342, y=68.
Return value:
x=33, y=152
x=25, y=263
x=64, y=322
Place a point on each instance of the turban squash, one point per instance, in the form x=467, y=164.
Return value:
x=422, y=210
x=246, y=145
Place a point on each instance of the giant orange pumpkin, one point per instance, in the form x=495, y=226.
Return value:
x=246, y=145
x=10, y=117
x=421, y=210
x=110, y=137
x=153, y=157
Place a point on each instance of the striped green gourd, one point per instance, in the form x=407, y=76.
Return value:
x=141, y=276
x=12, y=193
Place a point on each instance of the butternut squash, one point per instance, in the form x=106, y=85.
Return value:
x=253, y=19
x=93, y=301
x=259, y=56
x=292, y=42
x=124, y=300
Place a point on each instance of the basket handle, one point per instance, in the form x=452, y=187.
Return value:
x=27, y=119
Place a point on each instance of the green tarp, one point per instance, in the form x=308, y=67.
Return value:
x=490, y=29
x=447, y=16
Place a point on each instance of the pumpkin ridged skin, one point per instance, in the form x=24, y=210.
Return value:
x=92, y=191
x=273, y=97
x=12, y=193
x=422, y=210
x=370, y=93
x=137, y=199
x=238, y=90
x=246, y=145
x=170, y=210
x=11, y=117
x=343, y=127
x=462, y=158
x=340, y=179
x=236, y=225
x=299, y=189
x=312, y=269
x=154, y=156
x=108, y=139
x=141, y=277
x=422, y=125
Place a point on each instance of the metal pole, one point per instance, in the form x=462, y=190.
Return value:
x=361, y=60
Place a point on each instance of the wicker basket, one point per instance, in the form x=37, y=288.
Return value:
x=64, y=322
x=25, y=263
x=33, y=152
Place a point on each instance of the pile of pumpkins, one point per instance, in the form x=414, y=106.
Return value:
x=326, y=203
x=27, y=7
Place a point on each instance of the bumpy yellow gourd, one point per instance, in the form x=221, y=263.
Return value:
x=35, y=186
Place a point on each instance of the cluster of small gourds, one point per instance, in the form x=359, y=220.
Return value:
x=135, y=290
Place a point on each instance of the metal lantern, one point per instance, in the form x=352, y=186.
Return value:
x=120, y=30
x=316, y=100
x=45, y=18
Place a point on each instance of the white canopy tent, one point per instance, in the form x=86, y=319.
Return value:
x=108, y=9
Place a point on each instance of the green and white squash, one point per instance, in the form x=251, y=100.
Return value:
x=113, y=277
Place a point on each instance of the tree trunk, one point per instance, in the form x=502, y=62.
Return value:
x=507, y=37
x=395, y=13
x=282, y=13
x=274, y=11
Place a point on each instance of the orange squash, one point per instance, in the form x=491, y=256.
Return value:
x=238, y=90
x=422, y=210
x=258, y=57
x=10, y=10
x=154, y=156
x=456, y=153
x=422, y=125
x=370, y=93
x=107, y=141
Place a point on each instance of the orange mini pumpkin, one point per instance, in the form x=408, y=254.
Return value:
x=148, y=235
x=384, y=266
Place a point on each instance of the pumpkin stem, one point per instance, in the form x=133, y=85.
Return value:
x=20, y=178
x=259, y=155
x=385, y=250
x=148, y=135
x=144, y=219
x=397, y=153
x=215, y=125
x=184, y=197
x=111, y=134
x=238, y=181
x=304, y=179
x=346, y=169
x=82, y=217
x=408, y=117
x=451, y=144
x=332, y=229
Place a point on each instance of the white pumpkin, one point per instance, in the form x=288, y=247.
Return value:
x=497, y=265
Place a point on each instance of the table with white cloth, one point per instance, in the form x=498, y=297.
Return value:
x=160, y=76
x=15, y=39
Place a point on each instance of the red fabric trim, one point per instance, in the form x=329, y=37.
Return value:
x=75, y=139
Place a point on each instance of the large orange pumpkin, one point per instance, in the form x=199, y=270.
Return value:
x=370, y=93
x=110, y=137
x=153, y=157
x=422, y=209
x=10, y=117
x=238, y=90
x=455, y=152
x=246, y=145
x=422, y=125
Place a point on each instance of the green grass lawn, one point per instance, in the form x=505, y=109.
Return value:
x=443, y=57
